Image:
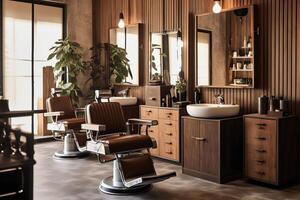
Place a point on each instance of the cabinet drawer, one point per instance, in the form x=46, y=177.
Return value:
x=168, y=126
x=169, y=148
x=168, y=114
x=259, y=128
x=261, y=170
x=149, y=113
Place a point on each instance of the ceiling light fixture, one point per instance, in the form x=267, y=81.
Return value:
x=121, y=23
x=217, y=8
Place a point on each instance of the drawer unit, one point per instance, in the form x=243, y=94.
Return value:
x=167, y=133
x=270, y=148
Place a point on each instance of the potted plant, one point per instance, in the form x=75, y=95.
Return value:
x=119, y=64
x=96, y=68
x=69, y=64
x=180, y=86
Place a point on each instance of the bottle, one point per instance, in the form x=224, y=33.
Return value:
x=263, y=105
x=197, y=96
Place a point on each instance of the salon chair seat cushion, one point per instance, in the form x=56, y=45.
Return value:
x=73, y=123
x=123, y=143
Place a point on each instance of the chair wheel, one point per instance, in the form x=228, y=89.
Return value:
x=107, y=187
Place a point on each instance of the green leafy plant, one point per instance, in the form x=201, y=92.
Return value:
x=119, y=64
x=180, y=85
x=95, y=66
x=69, y=64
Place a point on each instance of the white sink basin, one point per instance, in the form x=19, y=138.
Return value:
x=212, y=110
x=124, y=101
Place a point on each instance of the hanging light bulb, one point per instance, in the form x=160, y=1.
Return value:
x=217, y=7
x=121, y=23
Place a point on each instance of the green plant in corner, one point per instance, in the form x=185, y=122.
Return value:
x=69, y=64
x=119, y=64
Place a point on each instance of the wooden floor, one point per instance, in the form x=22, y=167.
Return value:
x=78, y=180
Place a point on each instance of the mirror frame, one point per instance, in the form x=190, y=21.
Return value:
x=256, y=33
x=141, y=51
x=150, y=54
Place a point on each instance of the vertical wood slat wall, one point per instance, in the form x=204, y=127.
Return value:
x=277, y=46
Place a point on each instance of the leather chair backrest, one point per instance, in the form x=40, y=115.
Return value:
x=61, y=103
x=109, y=114
x=4, y=108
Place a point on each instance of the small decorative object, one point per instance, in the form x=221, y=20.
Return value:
x=233, y=66
x=180, y=87
x=263, y=105
x=245, y=42
x=239, y=65
x=249, y=44
x=69, y=64
x=250, y=54
x=284, y=106
x=234, y=54
x=156, y=79
x=245, y=67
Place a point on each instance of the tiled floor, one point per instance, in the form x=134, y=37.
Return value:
x=78, y=180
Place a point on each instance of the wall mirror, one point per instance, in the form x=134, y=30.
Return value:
x=130, y=38
x=165, y=57
x=225, y=48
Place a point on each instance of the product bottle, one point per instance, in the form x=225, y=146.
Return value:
x=197, y=96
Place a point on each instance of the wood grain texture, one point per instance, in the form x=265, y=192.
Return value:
x=277, y=46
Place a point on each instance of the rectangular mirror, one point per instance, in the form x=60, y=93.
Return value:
x=130, y=39
x=165, y=58
x=225, y=49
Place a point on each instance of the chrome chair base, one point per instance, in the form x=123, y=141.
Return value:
x=73, y=154
x=108, y=187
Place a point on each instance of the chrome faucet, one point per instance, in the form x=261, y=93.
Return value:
x=220, y=98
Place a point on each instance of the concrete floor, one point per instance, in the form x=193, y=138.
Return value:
x=79, y=179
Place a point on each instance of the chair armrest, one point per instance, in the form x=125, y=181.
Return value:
x=142, y=122
x=54, y=114
x=93, y=127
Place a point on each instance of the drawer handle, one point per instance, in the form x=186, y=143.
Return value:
x=169, y=113
x=261, y=151
x=169, y=124
x=199, y=139
x=261, y=138
x=152, y=98
x=169, y=143
x=261, y=161
x=169, y=152
x=148, y=111
x=261, y=173
x=263, y=124
x=151, y=131
x=169, y=134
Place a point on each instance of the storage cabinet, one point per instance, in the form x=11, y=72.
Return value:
x=213, y=148
x=271, y=148
x=167, y=133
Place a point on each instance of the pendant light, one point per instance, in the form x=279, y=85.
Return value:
x=217, y=8
x=121, y=23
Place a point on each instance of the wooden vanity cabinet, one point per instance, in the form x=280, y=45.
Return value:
x=213, y=148
x=271, y=148
x=167, y=133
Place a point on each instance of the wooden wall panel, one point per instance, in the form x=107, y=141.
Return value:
x=278, y=52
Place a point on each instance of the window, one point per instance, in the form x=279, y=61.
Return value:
x=29, y=30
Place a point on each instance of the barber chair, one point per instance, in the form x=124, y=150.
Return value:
x=66, y=126
x=112, y=139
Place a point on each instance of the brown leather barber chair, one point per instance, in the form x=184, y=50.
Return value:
x=112, y=139
x=66, y=126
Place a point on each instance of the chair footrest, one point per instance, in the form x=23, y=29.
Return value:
x=147, y=180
